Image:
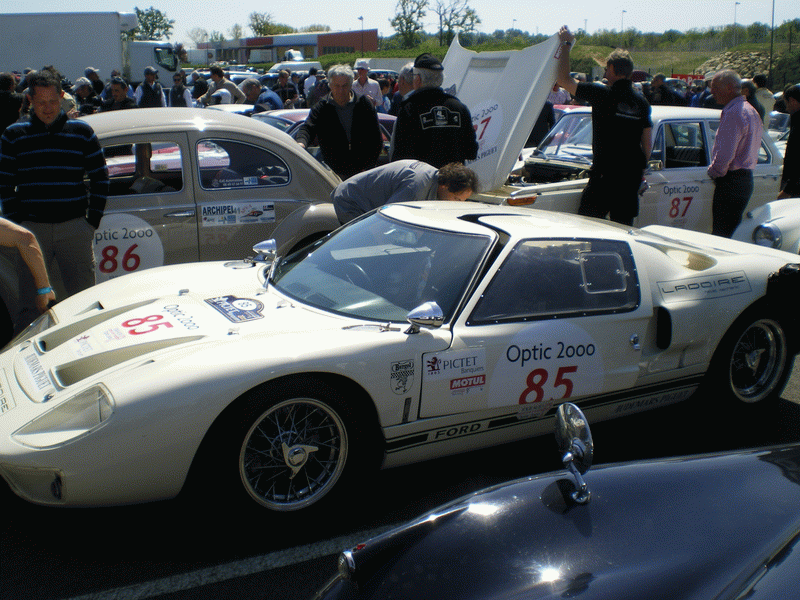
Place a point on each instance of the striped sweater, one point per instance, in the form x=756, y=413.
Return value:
x=42, y=172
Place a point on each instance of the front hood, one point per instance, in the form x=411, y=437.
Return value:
x=671, y=529
x=140, y=316
x=505, y=92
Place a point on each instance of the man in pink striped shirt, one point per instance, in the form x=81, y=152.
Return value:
x=735, y=153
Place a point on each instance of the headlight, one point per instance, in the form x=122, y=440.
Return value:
x=768, y=235
x=69, y=420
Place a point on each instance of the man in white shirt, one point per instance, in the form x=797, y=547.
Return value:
x=364, y=86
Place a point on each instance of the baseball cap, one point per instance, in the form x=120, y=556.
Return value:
x=428, y=61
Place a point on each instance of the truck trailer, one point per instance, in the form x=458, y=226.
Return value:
x=73, y=41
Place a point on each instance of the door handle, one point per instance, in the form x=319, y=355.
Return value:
x=181, y=213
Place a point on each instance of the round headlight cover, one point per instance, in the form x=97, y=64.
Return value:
x=768, y=235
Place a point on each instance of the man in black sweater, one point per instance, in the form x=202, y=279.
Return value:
x=347, y=127
x=43, y=162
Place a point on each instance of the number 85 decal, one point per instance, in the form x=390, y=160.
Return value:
x=145, y=324
x=538, y=378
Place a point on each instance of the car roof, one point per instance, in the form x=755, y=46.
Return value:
x=148, y=121
x=662, y=113
x=152, y=120
x=477, y=218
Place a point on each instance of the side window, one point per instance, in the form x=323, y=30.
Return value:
x=658, y=146
x=684, y=145
x=144, y=168
x=764, y=157
x=226, y=164
x=545, y=279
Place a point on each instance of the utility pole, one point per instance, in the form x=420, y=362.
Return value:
x=362, y=35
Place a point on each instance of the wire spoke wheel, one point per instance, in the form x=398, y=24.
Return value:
x=758, y=361
x=293, y=454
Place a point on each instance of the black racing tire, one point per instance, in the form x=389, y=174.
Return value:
x=289, y=446
x=753, y=361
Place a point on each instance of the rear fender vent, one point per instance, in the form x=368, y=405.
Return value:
x=663, y=328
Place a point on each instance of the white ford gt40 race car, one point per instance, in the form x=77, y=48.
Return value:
x=281, y=381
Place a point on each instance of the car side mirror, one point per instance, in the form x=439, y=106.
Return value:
x=575, y=443
x=655, y=165
x=266, y=251
x=428, y=315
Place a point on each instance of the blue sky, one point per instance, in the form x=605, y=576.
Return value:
x=546, y=18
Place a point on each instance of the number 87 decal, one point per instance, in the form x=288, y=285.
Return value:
x=538, y=377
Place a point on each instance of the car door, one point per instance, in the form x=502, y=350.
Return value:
x=243, y=190
x=560, y=319
x=150, y=217
x=679, y=192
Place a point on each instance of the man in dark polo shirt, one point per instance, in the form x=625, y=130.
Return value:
x=43, y=162
x=432, y=125
x=621, y=136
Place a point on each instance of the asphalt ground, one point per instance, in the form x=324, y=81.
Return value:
x=175, y=550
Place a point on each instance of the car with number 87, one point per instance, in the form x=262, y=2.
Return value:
x=679, y=191
x=418, y=331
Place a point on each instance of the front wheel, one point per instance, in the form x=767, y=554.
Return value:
x=291, y=445
x=293, y=454
x=753, y=360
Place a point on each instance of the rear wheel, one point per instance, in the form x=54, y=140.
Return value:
x=752, y=362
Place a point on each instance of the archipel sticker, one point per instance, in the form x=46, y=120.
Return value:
x=237, y=310
x=237, y=213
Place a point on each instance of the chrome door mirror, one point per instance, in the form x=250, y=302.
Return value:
x=575, y=443
x=266, y=251
x=428, y=315
x=655, y=165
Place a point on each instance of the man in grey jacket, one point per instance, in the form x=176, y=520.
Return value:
x=401, y=181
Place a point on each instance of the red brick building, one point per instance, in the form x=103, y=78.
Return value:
x=271, y=49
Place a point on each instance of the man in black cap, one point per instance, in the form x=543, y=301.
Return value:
x=432, y=125
x=150, y=93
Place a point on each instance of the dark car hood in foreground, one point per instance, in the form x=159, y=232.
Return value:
x=700, y=527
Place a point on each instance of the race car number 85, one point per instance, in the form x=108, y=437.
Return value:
x=538, y=378
x=145, y=324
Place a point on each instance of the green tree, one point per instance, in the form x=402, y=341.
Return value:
x=153, y=25
x=236, y=32
x=408, y=21
x=198, y=35
x=216, y=37
x=263, y=25
x=757, y=32
x=310, y=28
x=454, y=15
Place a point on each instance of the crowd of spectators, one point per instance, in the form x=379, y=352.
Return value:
x=432, y=126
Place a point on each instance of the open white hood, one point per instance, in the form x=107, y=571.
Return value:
x=505, y=91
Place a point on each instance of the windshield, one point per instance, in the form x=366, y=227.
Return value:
x=570, y=138
x=166, y=58
x=380, y=269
